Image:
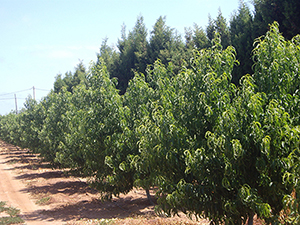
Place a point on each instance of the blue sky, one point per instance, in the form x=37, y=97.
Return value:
x=42, y=38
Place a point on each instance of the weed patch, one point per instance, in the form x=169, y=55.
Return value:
x=13, y=215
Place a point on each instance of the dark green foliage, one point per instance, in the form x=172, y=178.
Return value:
x=242, y=37
x=161, y=39
x=71, y=80
x=166, y=45
x=10, y=128
x=219, y=25
x=200, y=39
x=110, y=57
x=136, y=53
x=93, y=120
x=133, y=54
x=31, y=124
x=285, y=12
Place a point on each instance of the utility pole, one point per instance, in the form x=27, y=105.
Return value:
x=16, y=104
x=33, y=88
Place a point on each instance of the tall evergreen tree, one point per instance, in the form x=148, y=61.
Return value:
x=211, y=28
x=80, y=74
x=241, y=32
x=160, y=39
x=220, y=26
x=58, y=83
x=133, y=52
x=71, y=80
x=199, y=37
x=285, y=12
x=165, y=44
x=195, y=38
x=110, y=57
x=223, y=29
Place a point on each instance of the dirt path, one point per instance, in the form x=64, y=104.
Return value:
x=12, y=191
x=50, y=196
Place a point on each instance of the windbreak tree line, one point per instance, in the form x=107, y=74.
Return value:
x=212, y=149
x=139, y=48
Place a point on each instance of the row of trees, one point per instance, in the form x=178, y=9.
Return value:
x=211, y=148
x=138, y=48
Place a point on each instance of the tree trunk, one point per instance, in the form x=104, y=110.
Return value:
x=250, y=220
x=149, y=197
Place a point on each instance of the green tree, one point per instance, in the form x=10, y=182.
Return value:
x=210, y=29
x=54, y=128
x=110, y=57
x=58, y=83
x=285, y=12
x=31, y=124
x=10, y=128
x=166, y=45
x=161, y=38
x=223, y=29
x=219, y=25
x=79, y=76
x=133, y=53
x=200, y=39
x=94, y=116
x=195, y=38
x=245, y=141
x=187, y=108
x=242, y=37
x=69, y=81
x=125, y=145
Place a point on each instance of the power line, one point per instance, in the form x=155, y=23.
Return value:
x=40, y=89
x=4, y=99
x=10, y=98
x=15, y=96
x=15, y=92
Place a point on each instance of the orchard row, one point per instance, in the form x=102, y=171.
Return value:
x=211, y=148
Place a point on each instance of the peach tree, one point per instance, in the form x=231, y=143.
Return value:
x=243, y=151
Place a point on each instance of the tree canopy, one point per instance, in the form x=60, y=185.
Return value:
x=218, y=135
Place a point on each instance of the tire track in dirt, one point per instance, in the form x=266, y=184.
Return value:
x=11, y=192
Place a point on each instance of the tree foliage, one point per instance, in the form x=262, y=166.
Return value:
x=212, y=148
x=69, y=81
x=220, y=26
x=285, y=12
x=242, y=37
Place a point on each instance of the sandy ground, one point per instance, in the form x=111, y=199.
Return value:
x=50, y=196
x=12, y=189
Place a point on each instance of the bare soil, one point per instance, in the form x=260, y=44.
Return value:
x=50, y=196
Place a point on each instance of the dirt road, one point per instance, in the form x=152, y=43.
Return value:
x=12, y=192
x=51, y=196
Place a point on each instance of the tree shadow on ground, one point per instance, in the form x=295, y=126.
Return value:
x=34, y=166
x=95, y=209
x=70, y=198
x=24, y=158
x=16, y=155
x=68, y=188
